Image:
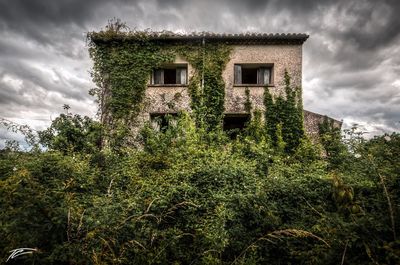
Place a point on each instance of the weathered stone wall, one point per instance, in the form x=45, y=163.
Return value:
x=312, y=121
x=169, y=99
x=280, y=56
x=173, y=98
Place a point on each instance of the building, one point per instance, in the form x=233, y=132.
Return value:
x=256, y=62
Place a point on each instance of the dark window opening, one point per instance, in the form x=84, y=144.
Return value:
x=163, y=120
x=235, y=123
x=170, y=75
x=249, y=76
x=252, y=74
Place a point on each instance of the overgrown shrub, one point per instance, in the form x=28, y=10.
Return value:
x=195, y=197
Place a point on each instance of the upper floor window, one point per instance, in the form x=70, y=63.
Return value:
x=170, y=75
x=252, y=74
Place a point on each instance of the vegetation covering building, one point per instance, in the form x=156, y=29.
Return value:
x=224, y=76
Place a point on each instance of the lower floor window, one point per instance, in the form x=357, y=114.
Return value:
x=163, y=120
x=233, y=124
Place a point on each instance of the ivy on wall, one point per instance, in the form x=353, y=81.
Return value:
x=124, y=60
x=284, y=117
x=206, y=86
x=123, y=63
x=331, y=140
x=122, y=67
x=247, y=104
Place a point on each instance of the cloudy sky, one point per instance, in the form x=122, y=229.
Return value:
x=351, y=60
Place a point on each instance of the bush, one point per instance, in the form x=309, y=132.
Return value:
x=195, y=197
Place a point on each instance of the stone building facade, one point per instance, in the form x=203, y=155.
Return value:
x=252, y=52
x=256, y=61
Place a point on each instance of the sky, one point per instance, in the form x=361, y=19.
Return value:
x=351, y=62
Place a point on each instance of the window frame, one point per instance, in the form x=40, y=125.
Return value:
x=237, y=68
x=175, y=66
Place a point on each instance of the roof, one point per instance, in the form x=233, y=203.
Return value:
x=168, y=36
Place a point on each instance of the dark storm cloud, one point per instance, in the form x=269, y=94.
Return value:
x=38, y=19
x=41, y=12
x=8, y=95
x=370, y=24
x=377, y=23
x=351, y=60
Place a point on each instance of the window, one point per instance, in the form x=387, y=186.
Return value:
x=162, y=121
x=252, y=74
x=235, y=123
x=170, y=75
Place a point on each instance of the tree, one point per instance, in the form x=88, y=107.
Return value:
x=72, y=133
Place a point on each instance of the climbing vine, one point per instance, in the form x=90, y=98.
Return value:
x=122, y=67
x=124, y=60
x=206, y=86
x=284, y=117
x=247, y=104
x=331, y=140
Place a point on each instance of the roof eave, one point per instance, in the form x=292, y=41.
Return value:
x=290, y=38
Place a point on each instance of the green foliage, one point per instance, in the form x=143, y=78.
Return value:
x=247, y=105
x=191, y=195
x=72, y=133
x=331, y=140
x=36, y=198
x=284, y=117
x=255, y=129
x=123, y=62
x=206, y=86
x=196, y=197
